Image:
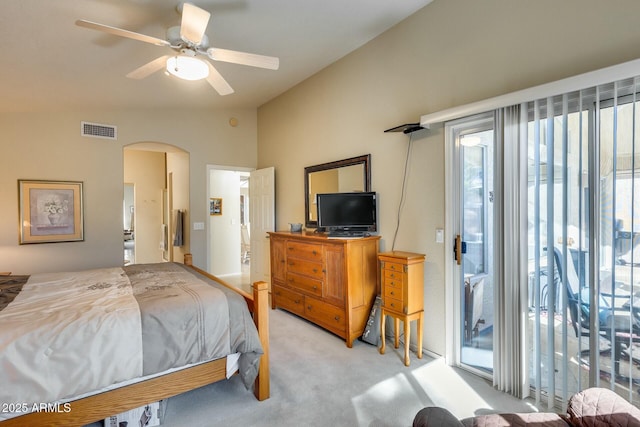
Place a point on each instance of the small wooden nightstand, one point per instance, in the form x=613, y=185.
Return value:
x=402, y=278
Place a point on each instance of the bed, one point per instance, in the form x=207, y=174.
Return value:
x=144, y=366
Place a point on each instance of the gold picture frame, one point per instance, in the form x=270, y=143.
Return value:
x=215, y=206
x=50, y=211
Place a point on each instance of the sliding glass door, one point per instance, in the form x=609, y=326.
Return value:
x=474, y=139
x=543, y=200
x=584, y=224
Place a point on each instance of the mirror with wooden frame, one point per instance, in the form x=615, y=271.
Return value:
x=341, y=176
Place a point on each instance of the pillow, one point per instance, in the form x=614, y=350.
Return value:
x=601, y=407
x=436, y=417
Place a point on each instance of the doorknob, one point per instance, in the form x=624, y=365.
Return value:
x=459, y=248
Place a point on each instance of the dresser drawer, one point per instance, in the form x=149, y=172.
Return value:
x=305, y=284
x=326, y=314
x=305, y=268
x=306, y=251
x=289, y=300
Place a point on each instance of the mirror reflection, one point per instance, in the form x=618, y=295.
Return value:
x=342, y=176
x=346, y=179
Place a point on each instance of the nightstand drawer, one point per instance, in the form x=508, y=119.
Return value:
x=304, y=251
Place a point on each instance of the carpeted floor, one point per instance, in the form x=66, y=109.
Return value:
x=317, y=381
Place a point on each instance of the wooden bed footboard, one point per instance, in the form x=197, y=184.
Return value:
x=100, y=406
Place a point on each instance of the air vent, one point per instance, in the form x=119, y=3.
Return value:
x=96, y=130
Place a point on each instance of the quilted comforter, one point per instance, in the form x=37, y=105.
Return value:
x=67, y=334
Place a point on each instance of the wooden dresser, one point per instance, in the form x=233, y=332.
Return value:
x=402, y=278
x=330, y=282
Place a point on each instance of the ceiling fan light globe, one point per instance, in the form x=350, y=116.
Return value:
x=187, y=67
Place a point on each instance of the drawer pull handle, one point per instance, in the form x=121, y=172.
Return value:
x=315, y=287
x=315, y=270
x=337, y=318
x=314, y=252
x=308, y=307
x=297, y=301
x=391, y=293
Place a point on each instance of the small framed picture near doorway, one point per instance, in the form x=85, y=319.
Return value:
x=50, y=211
x=215, y=206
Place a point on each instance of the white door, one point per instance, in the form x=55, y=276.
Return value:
x=262, y=215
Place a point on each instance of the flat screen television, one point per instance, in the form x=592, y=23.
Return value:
x=347, y=213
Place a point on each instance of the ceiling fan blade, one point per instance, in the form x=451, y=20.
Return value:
x=194, y=23
x=149, y=68
x=243, y=58
x=121, y=32
x=218, y=82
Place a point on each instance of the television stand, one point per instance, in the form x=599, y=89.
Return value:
x=330, y=282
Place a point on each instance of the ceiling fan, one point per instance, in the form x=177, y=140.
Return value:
x=189, y=41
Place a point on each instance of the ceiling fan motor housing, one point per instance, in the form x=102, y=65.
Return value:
x=173, y=37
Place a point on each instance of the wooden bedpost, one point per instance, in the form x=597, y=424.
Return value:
x=261, y=319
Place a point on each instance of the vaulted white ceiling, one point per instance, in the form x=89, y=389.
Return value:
x=50, y=64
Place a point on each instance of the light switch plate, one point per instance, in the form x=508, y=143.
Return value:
x=198, y=225
x=439, y=235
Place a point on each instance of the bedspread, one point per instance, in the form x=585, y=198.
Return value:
x=67, y=334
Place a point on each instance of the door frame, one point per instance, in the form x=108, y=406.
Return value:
x=453, y=227
x=206, y=206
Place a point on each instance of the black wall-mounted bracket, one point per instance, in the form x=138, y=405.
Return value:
x=407, y=128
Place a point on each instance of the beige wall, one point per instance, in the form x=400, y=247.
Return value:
x=449, y=53
x=49, y=146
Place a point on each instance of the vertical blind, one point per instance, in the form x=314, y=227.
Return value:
x=510, y=352
x=570, y=182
